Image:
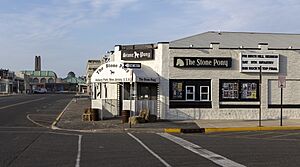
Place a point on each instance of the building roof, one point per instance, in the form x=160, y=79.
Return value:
x=75, y=80
x=238, y=39
x=40, y=73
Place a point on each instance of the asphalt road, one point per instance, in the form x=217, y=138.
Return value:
x=27, y=140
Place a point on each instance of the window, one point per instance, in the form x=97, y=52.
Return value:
x=146, y=91
x=230, y=90
x=190, y=93
x=248, y=90
x=204, y=93
x=239, y=90
x=2, y=87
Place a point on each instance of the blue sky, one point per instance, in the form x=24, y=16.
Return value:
x=66, y=33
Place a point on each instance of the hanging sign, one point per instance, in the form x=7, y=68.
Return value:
x=137, y=54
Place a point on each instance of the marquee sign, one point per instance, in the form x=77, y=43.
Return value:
x=137, y=54
x=253, y=61
x=202, y=62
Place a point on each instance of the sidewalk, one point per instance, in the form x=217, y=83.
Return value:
x=71, y=119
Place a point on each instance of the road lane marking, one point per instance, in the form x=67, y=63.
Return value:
x=79, y=151
x=216, y=158
x=34, y=122
x=24, y=102
x=148, y=149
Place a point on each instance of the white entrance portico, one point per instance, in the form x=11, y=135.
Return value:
x=116, y=88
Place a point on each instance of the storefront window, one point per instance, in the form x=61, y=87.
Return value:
x=248, y=91
x=239, y=90
x=147, y=91
x=230, y=90
x=190, y=93
x=204, y=93
x=2, y=87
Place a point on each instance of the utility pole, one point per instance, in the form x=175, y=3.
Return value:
x=260, y=78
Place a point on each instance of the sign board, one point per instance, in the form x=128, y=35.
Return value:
x=202, y=62
x=132, y=65
x=137, y=54
x=251, y=62
x=111, y=72
x=281, y=81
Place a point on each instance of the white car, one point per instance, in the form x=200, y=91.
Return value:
x=40, y=90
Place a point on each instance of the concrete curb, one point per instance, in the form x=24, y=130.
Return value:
x=239, y=129
x=232, y=129
x=53, y=125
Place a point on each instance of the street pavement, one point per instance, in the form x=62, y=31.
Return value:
x=30, y=141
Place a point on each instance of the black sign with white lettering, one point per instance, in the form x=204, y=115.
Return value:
x=202, y=62
x=132, y=65
x=140, y=54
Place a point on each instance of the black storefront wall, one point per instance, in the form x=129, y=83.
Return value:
x=177, y=88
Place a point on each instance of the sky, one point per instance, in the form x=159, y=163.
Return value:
x=66, y=33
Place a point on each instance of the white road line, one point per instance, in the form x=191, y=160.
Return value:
x=24, y=102
x=79, y=151
x=218, y=159
x=28, y=117
x=148, y=149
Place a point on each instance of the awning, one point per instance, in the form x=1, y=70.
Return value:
x=115, y=72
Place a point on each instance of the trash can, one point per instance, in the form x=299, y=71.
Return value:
x=125, y=116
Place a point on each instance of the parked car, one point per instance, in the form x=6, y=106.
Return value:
x=40, y=91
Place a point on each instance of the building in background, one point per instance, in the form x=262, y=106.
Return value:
x=6, y=81
x=38, y=78
x=91, y=66
x=75, y=83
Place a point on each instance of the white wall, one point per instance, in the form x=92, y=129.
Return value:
x=289, y=65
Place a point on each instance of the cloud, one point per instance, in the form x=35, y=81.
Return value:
x=51, y=21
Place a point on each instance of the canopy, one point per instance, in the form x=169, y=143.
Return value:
x=114, y=72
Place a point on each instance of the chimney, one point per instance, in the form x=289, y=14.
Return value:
x=37, y=66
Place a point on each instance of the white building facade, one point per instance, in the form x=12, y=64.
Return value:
x=214, y=75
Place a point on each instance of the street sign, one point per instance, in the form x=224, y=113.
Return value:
x=132, y=65
x=281, y=81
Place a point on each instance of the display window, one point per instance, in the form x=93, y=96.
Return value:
x=204, y=93
x=239, y=90
x=190, y=93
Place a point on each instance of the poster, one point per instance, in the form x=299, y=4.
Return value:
x=177, y=90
